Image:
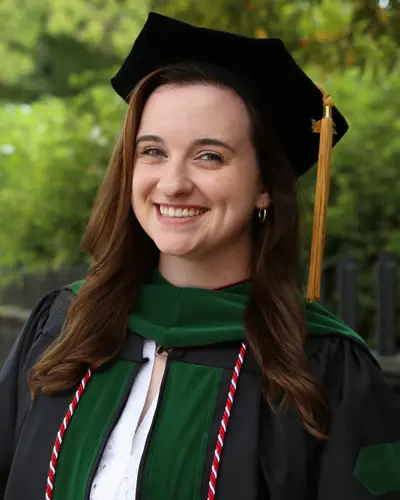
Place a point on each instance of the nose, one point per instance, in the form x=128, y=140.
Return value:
x=174, y=180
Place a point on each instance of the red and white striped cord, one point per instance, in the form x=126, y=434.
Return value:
x=61, y=432
x=224, y=423
x=220, y=441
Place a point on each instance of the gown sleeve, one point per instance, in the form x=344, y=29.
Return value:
x=14, y=391
x=361, y=459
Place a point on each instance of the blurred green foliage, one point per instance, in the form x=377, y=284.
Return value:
x=59, y=116
x=53, y=155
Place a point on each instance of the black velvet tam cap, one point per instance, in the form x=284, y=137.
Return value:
x=289, y=100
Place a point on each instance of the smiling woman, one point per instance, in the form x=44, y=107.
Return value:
x=187, y=364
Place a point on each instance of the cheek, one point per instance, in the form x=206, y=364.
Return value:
x=134, y=193
x=138, y=197
x=135, y=186
x=141, y=186
x=235, y=208
x=241, y=193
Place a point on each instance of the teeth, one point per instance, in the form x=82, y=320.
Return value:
x=180, y=212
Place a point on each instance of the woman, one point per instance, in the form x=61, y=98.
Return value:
x=187, y=365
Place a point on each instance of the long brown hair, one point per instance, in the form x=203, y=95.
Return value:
x=123, y=256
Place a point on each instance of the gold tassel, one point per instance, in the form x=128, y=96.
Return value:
x=321, y=199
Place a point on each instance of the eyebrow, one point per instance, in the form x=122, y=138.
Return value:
x=149, y=138
x=213, y=142
x=204, y=141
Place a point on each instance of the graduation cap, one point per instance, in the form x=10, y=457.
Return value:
x=304, y=118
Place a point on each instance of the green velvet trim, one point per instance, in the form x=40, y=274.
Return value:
x=188, y=403
x=378, y=468
x=87, y=430
x=182, y=317
x=321, y=322
x=189, y=317
x=76, y=286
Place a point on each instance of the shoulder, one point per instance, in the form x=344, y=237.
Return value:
x=42, y=326
x=361, y=457
x=345, y=367
x=48, y=315
x=333, y=345
x=322, y=323
x=341, y=361
x=53, y=311
x=337, y=355
x=351, y=376
x=363, y=449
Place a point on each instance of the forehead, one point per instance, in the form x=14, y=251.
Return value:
x=201, y=110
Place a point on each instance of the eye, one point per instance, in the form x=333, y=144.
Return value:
x=211, y=156
x=153, y=152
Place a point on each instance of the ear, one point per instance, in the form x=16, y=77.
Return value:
x=263, y=200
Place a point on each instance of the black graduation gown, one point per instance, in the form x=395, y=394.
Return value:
x=266, y=456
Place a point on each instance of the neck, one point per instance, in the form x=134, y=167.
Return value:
x=214, y=273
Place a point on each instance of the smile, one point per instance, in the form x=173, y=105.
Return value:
x=180, y=212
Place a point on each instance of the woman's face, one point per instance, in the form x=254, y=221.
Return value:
x=196, y=181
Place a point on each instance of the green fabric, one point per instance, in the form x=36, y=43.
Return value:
x=87, y=429
x=378, y=468
x=188, y=402
x=183, y=317
x=176, y=317
x=321, y=322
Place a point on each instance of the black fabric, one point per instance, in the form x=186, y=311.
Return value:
x=26, y=443
x=238, y=473
x=266, y=456
x=295, y=466
x=288, y=99
x=132, y=349
x=364, y=413
x=221, y=356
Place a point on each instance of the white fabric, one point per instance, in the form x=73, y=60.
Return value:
x=116, y=476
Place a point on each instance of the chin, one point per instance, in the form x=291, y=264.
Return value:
x=176, y=249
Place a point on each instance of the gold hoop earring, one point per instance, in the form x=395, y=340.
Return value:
x=262, y=215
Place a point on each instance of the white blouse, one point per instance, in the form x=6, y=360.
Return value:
x=116, y=476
